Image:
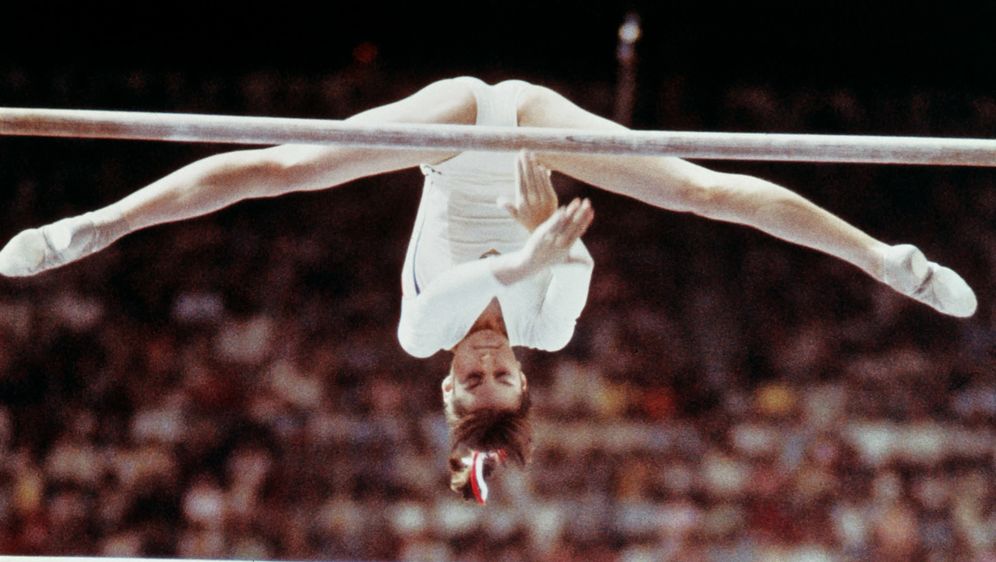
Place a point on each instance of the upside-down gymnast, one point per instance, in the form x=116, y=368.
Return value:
x=531, y=288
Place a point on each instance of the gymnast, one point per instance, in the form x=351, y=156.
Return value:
x=493, y=263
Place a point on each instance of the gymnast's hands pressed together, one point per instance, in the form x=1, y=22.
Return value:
x=553, y=231
x=549, y=244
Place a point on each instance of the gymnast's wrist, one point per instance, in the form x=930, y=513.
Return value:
x=512, y=267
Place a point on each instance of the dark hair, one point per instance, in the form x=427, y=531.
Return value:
x=490, y=430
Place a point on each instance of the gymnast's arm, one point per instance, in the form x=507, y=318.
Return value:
x=564, y=299
x=439, y=316
x=221, y=180
x=567, y=290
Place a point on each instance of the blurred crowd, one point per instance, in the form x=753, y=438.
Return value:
x=231, y=387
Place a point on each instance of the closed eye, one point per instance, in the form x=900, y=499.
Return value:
x=474, y=379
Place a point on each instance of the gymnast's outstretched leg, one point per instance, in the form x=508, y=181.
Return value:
x=218, y=181
x=675, y=184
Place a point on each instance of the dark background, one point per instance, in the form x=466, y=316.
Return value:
x=873, y=44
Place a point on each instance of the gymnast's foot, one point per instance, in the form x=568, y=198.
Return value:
x=908, y=271
x=40, y=249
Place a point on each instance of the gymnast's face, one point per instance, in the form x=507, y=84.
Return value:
x=484, y=373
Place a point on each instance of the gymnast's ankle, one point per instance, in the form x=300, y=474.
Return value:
x=37, y=250
x=907, y=270
x=904, y=267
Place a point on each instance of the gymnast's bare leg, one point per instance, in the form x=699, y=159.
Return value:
x=218, y=181
x=675, y=184
x=668, y=183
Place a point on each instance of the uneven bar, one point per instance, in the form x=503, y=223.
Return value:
x=181, y=127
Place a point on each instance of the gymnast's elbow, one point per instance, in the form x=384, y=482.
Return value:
x=412, y=344
x=553, y=336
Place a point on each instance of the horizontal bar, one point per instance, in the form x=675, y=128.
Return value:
x=180, y=127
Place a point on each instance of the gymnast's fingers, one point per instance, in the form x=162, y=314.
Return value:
x=537, y=189
x=524, y=177
x=579, y=220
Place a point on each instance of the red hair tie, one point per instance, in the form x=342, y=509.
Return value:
x=478, y=484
